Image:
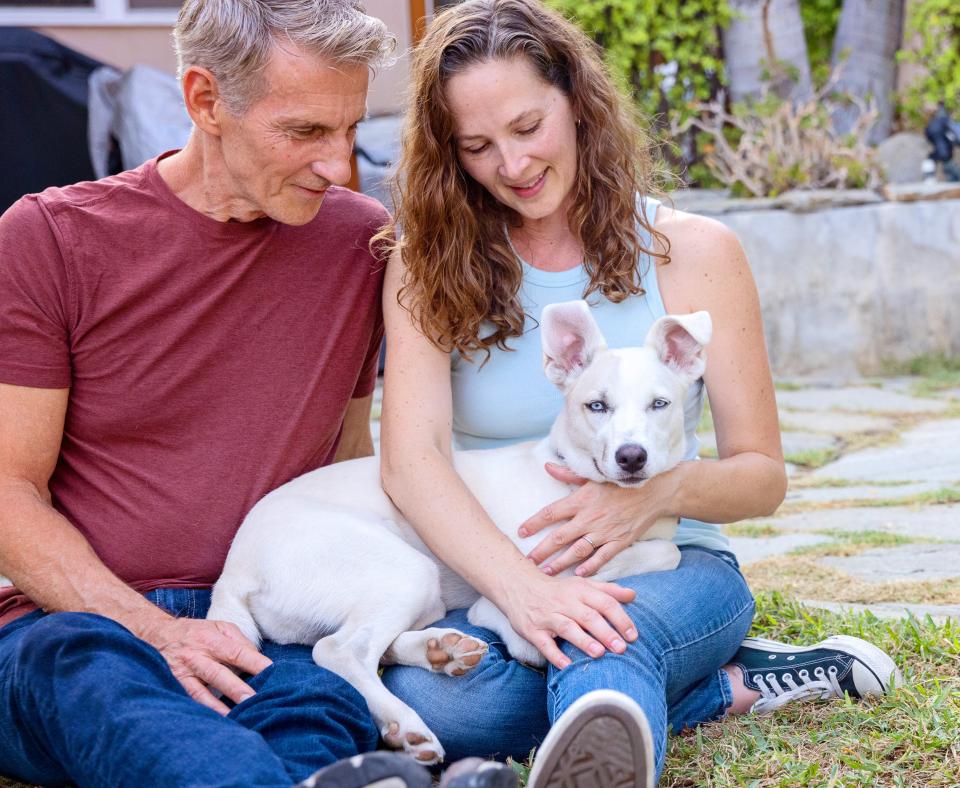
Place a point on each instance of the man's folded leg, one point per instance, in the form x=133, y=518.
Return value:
x=84, y=701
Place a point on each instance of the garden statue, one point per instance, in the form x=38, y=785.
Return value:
x=943, y=133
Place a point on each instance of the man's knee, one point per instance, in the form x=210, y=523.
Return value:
x=303, y=685
x=304, y=678
x=61, y=636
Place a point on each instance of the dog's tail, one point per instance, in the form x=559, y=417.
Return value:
x=229, y=603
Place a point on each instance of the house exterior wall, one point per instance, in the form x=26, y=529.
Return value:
x=122, y=47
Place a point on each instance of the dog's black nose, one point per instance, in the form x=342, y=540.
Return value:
x=631, y=457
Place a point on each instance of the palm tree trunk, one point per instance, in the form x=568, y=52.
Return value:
x=868, y=36
x=764, y=47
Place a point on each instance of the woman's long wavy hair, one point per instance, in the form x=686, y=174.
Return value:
x=461, y=274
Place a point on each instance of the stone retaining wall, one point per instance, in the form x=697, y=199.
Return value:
x=845, y=289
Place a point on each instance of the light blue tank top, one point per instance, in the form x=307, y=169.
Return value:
x=509, y=400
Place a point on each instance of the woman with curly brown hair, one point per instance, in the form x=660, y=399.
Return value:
x=525, y=180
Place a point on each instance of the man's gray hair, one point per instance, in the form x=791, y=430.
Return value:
x=234, y=39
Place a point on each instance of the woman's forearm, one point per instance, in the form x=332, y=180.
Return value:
x=746, y=485
x=453, y=525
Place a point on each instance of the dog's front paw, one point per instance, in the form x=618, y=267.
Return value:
x=525, y=652
x=421, y=744
x=455, y=653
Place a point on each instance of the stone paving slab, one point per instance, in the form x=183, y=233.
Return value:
x=796, y=442
x=910, y=562
x=863, y=492
x=939, y=613
x=928, y=522
x=749, y=550
x=833, y=423
x=858, y=399
x=929, y=452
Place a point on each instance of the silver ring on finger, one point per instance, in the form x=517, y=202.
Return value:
x=589, y=541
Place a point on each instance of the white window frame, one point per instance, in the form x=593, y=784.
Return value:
x=103, y=13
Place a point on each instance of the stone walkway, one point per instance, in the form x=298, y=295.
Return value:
x=872, y=516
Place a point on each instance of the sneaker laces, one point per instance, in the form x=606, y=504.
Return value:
x=773, y=694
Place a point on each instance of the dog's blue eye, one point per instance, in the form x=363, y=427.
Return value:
x=597, y=406
x=659, y=403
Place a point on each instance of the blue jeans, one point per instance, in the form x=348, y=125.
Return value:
x=84, y=701
x=691, y=622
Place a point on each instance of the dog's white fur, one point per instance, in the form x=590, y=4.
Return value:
x=328, y=561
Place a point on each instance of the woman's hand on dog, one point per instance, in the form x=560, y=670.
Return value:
x=200, y=654
x=587, y=613
x=603, y=519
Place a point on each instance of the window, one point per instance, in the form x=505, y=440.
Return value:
x=37, y=13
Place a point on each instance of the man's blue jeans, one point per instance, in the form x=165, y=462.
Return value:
x=691, y=622
x=84, y=701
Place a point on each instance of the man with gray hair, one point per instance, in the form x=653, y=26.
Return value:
x=176, y=341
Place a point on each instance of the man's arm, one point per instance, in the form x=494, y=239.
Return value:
x=53, y=564
x=356, y=440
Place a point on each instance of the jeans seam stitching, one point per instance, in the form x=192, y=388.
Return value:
x=751, y=604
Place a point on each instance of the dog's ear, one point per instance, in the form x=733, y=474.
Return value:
x=680, y=342
x=570, y=339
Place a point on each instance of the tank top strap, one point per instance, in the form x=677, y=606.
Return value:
x=648, y=269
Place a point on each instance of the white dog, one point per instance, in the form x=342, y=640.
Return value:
x=327, y=560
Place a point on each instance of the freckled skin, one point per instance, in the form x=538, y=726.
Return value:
x=511, y=126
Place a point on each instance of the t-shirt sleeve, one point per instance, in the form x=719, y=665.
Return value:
x=34, y=333
x=367, y=381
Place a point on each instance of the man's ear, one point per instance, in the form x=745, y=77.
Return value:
x=680, y=342
x=201, y=95
x=570, y=338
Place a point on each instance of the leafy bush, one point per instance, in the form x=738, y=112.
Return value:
x=668, y=54
x=766, y=147
x=820, y=19
x=937, y=25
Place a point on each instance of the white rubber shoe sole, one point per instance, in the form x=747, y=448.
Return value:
x=602, y=741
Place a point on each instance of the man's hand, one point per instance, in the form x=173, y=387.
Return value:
x=603, y=520
x=200, y=654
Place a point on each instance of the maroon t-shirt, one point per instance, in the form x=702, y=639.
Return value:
x=208, y=362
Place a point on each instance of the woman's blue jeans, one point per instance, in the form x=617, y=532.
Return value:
x=84, y=701
x=691, y=622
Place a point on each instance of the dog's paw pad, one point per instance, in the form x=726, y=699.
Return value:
x=422, y=745
x=463, y=654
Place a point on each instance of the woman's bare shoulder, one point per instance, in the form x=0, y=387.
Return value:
x=707, y=261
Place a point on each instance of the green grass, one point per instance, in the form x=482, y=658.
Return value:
x=751, y=530
x=909, y=738
x=810, y=483
x=850, y=542
x=786, y=385
x=812, y=458
x=936, y=372
x=941, y=495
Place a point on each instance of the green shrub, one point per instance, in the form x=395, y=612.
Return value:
x=642, y=38
x=820, y=19
x=937, y=24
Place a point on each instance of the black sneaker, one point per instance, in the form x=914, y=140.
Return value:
x=782, y=673
x=371, y=770
x=479, y=773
